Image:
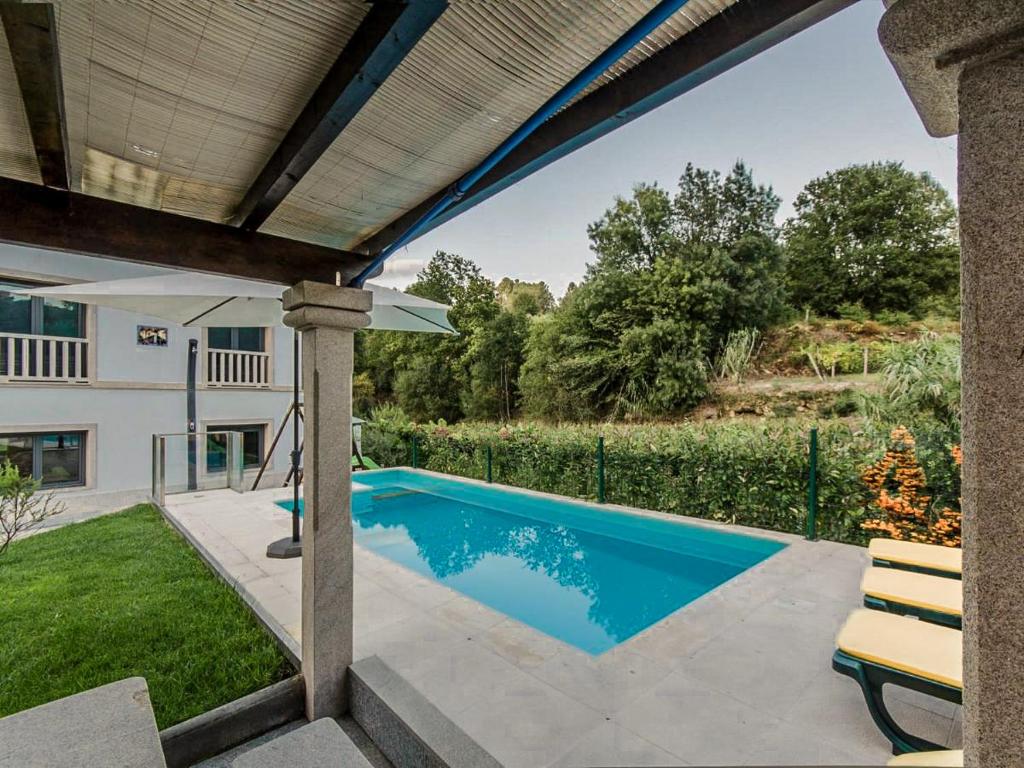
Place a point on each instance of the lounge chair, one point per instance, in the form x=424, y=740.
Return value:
x=363, y=462
x=877, y=649
x=945, y=758
x=931, y=598
x=911, y=556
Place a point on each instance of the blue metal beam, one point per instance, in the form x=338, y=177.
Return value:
x=739, y=33
x=383, y=39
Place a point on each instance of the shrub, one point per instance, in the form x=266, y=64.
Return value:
x=901, y=493
x=847, y=403
x=835, y=358
x=894, y=319
x=738, y=354
x=22, y=507
x=853, y=311
x=924, y=376
x=386, y=436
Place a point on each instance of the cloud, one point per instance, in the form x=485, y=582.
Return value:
x=396, y=268
x=399, y=273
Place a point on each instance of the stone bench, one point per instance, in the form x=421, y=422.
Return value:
x=106, y=727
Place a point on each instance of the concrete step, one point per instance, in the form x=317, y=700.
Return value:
x=320, y=744
x=112, y=725
x=405, y=726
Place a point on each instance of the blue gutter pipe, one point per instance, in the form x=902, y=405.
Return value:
x=629, y=40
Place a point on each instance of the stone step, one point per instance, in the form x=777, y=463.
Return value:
x=320, y=744
x=405, y=726
x=112, y=725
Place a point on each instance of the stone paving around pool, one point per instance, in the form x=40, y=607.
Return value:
x=741, y=676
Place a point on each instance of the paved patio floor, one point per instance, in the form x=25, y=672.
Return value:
x=740, y=676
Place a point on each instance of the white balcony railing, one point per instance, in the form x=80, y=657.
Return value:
x=232, y=368
x=35, y=358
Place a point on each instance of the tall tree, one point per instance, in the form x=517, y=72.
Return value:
x=876, y=235
x=496, y=355
x=426, y=374
x=673, y=276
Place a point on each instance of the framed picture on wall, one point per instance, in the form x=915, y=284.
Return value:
x=151, y=336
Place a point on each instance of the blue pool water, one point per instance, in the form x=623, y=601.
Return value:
x=587, y=575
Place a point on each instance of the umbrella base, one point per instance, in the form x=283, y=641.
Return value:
x=284, y=549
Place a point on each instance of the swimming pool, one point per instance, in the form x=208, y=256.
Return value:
x=587, y=575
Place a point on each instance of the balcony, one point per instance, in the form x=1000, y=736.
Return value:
x=27, y=357
x=237, y=368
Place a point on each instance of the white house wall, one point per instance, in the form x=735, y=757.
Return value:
x=135, y=391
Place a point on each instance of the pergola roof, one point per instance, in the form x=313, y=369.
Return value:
x=330, y=122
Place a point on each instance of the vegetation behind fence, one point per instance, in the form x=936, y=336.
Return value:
x=750, y=474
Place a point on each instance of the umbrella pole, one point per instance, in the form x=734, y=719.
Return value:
x=292, y=547
x=295, y=436
x=190, y=416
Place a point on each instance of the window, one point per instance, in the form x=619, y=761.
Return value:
x=36, y=316
x=239, y=339
x=56, y=460
x=39, y=316
x=217, y=446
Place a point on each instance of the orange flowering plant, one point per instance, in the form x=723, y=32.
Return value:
x=900, y=494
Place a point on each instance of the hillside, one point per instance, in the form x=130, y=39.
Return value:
x=814, y=368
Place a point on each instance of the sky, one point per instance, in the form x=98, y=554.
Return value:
x=822, y=100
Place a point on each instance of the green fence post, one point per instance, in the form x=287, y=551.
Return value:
x=812, y=488
x=489, y=474
x=600, y=470
x=415, y=452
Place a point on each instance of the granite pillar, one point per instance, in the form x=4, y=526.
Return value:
x=327, y=316
x=963, y=65
x=992, y=285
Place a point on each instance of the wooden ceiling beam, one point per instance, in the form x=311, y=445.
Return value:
x=31, y=31
x=42, y=217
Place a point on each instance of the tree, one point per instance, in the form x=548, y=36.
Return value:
x=877, y=235
x=496, y=355
x=426, y=374
x=633, y=233
x=525, y=298
x=673, y=277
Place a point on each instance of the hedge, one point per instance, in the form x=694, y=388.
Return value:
x=751, y=473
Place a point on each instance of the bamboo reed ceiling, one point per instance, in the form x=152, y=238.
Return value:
x=178, y=105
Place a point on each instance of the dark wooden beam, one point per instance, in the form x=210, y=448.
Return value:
x=38, y=216
x=32, y=37
x=386, y=35
x=737, y=34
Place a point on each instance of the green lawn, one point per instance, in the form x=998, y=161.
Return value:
x=125, y=595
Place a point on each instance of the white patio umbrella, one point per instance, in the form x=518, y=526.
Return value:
x=199, y=300
x=194, y=299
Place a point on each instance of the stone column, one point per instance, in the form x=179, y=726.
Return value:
x=327, y=316
x=963, y=64
x=992, y=280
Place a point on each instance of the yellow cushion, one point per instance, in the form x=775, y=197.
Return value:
x=932, y=593
x=933, y=556
x=943, y=758
x=917, y=647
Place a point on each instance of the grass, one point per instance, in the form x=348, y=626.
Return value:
x=120, y=596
